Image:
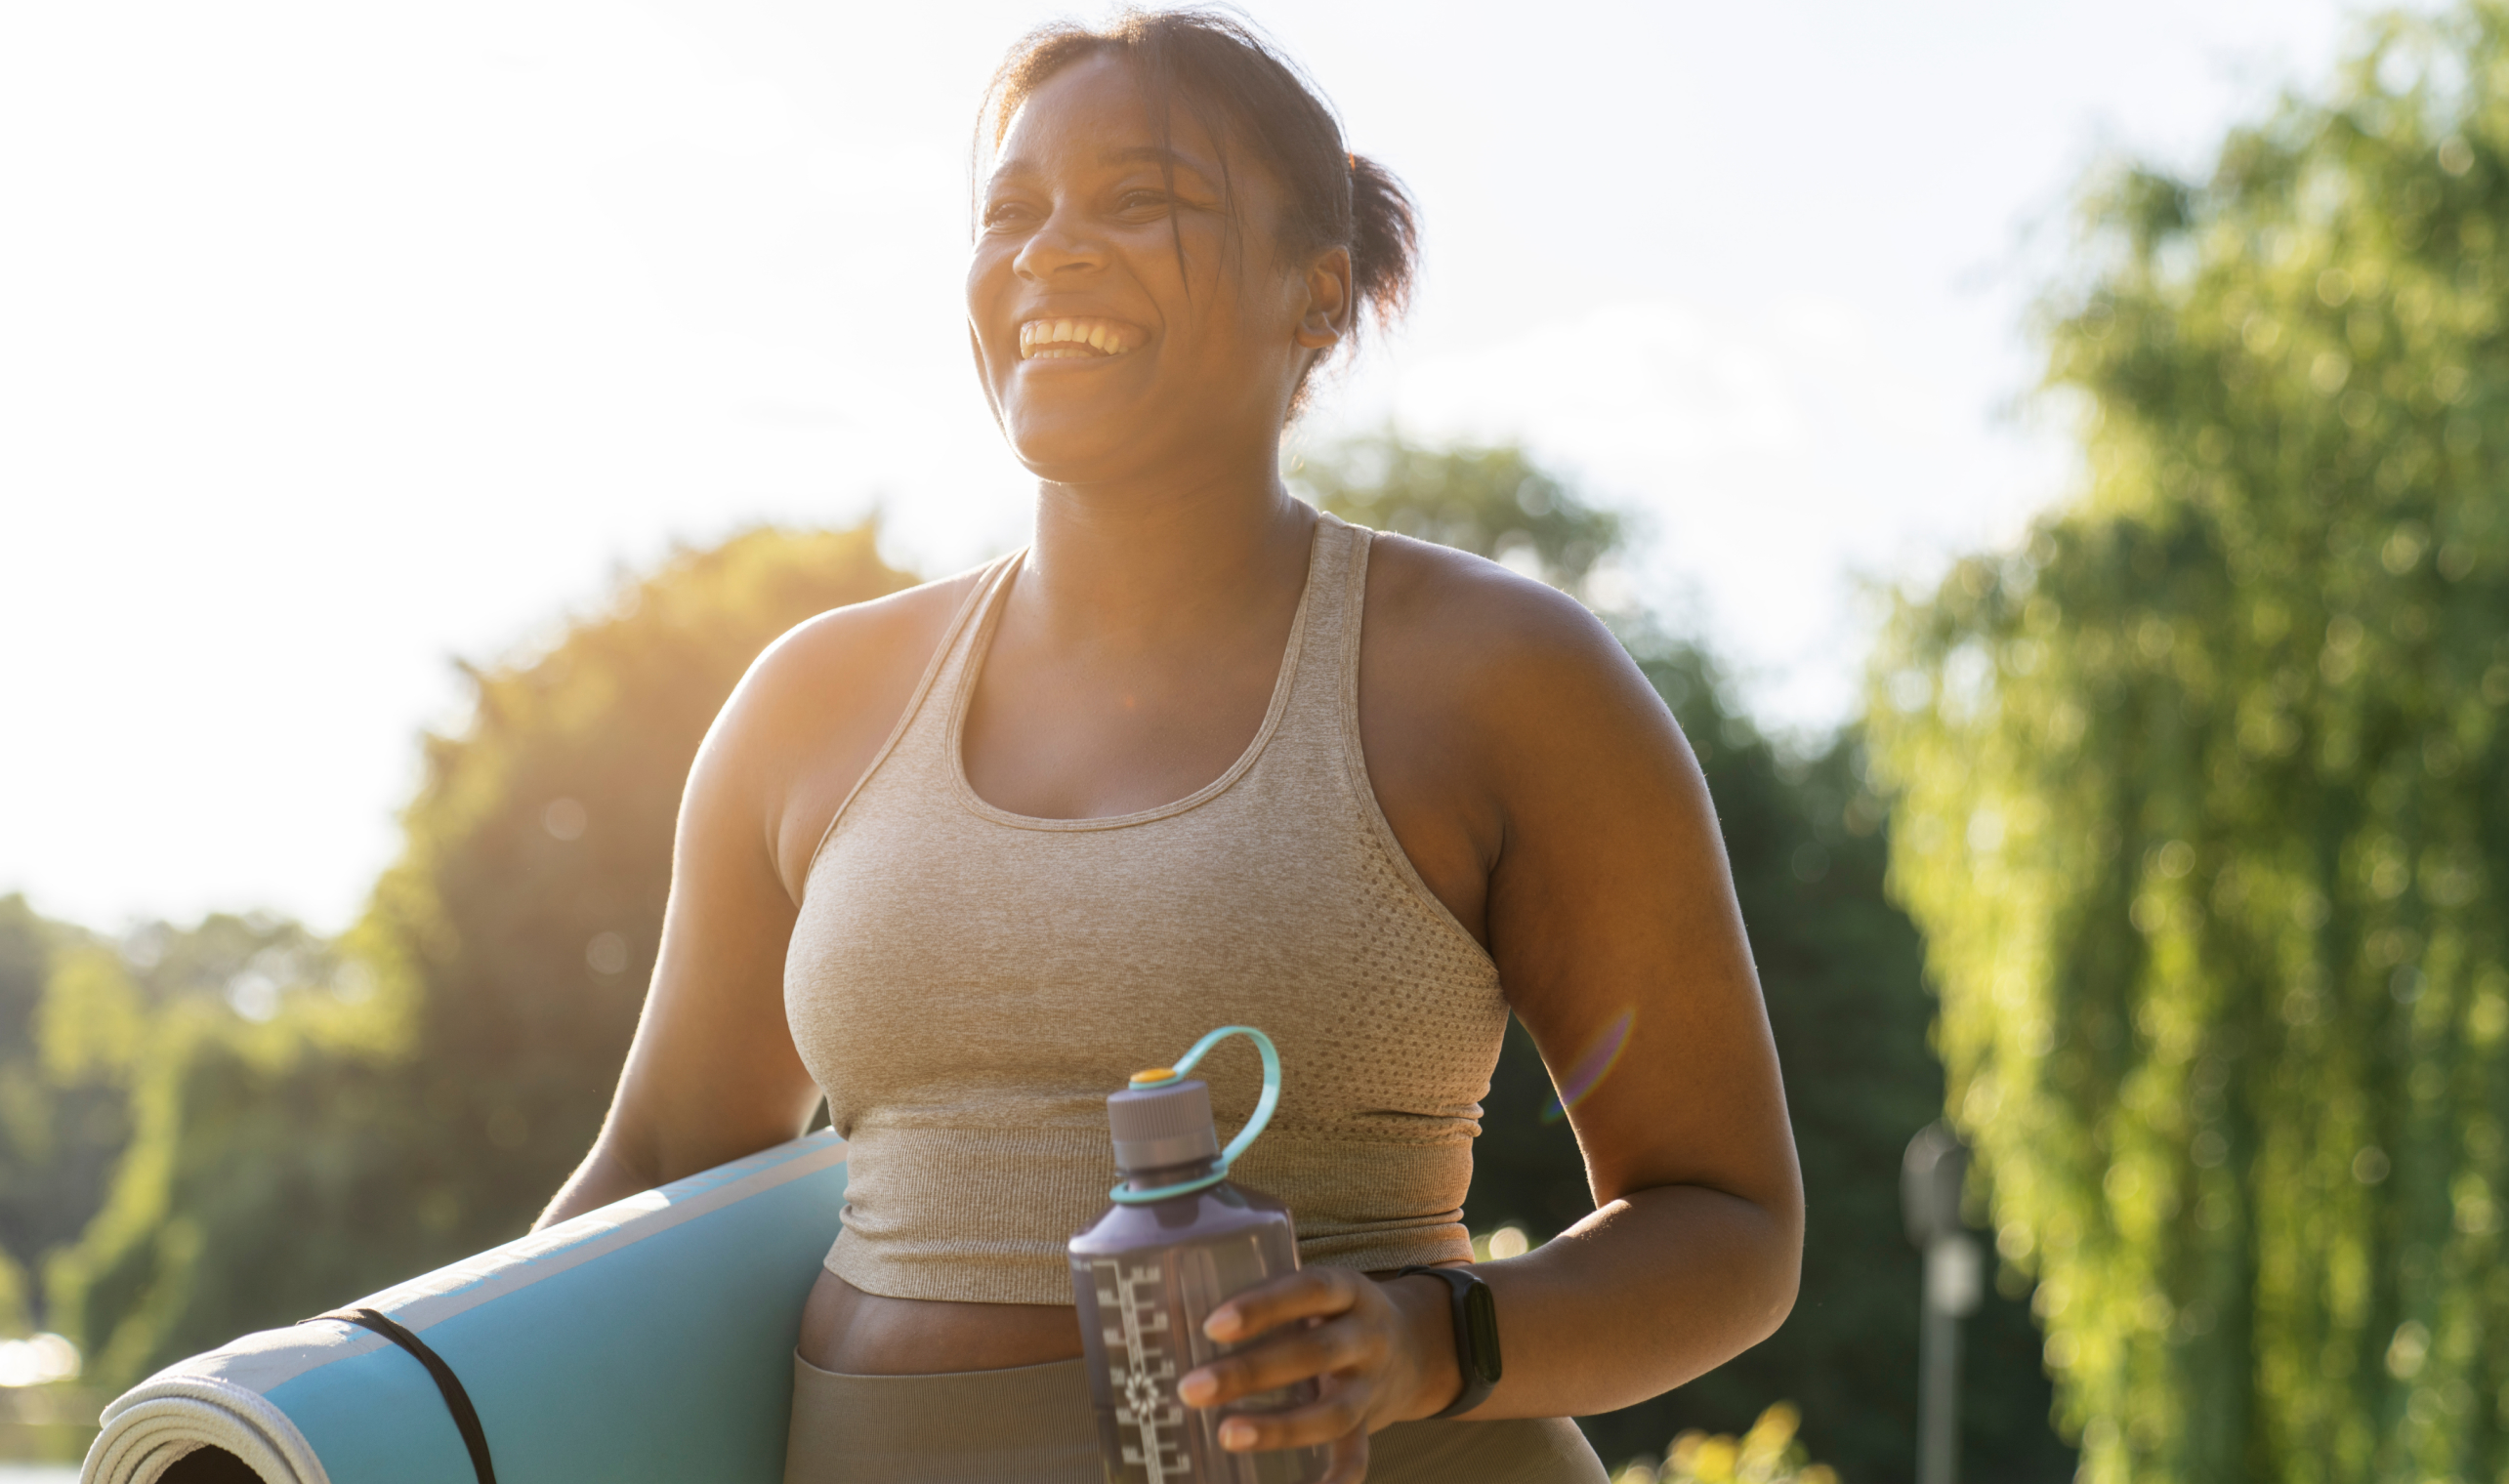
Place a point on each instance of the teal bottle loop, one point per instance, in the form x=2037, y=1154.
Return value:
x=1124, y=1195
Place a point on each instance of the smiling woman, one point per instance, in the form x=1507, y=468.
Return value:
x=962, y=859
x=1150, y=139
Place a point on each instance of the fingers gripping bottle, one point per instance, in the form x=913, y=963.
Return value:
x=1178, y=1242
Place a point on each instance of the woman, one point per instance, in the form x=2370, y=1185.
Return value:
x=962, y=858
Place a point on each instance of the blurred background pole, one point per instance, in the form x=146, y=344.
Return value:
x=1930, y=1180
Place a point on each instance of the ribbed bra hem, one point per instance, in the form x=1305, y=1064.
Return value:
x=1021, y=1278
x=1011, y=1200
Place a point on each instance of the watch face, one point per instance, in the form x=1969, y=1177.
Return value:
x=1481, y=1313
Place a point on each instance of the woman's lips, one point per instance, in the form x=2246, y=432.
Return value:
x=1075, y=339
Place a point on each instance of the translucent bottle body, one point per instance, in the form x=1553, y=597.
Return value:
x=1145, y=1278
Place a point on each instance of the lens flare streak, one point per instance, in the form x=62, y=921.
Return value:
x=1601, y=1055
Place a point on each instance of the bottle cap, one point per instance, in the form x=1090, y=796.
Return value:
x=1156, y=1127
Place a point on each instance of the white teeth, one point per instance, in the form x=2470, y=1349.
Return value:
x=1036, y=336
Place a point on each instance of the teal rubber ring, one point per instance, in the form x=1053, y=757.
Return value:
x=1124, y=1195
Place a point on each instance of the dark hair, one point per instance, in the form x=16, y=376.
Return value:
x=1239, y=87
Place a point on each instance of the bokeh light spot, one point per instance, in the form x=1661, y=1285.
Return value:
x=606, y=954
x=565, y=819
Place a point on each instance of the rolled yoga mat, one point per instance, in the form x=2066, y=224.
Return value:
x=646, y=1342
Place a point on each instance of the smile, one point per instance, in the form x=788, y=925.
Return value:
x=1075, y=339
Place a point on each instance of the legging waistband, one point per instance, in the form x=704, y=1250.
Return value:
x=1032, y=1424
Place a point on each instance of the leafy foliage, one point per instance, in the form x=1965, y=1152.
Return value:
x=76, y=1021
x=1767, y=1453
x=2205, y=801
x=34, y=1164
x=265, y=1181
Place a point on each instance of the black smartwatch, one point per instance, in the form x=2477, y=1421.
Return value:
x=1476, y=1335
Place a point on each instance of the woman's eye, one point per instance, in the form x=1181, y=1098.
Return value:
x=1003, y=214
x=1138, y=201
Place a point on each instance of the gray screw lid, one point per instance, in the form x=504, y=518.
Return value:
x=1160, y=1126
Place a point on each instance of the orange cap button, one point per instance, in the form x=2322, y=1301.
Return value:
x=1154, y=1074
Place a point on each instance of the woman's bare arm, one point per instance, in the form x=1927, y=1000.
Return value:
x=713, y=1074
x=1612, y=898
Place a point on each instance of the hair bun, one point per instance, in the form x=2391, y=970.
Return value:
x=1385, y=240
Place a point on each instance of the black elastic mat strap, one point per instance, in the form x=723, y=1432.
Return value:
x=456, y=1400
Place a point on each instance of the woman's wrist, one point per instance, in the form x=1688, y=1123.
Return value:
x=1428, y=1329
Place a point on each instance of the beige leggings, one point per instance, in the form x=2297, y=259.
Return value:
x=1031, y=1424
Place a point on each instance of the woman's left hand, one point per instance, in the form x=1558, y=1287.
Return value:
x=1380, y=1351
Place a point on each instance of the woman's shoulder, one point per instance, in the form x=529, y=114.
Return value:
x=1479, y=631
x=852, y=660
x=1515, y=686
x=835, y=652
x=1495, y=713
x=809, y=718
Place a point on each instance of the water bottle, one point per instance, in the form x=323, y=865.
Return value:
x=1178, y=1241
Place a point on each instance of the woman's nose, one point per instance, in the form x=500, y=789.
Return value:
x=1059, y=247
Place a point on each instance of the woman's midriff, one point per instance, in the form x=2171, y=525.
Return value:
x=853, y=1333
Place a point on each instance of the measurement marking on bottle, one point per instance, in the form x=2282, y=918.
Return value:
x=1146, y=1380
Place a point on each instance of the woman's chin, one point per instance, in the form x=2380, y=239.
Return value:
x=1075, y=449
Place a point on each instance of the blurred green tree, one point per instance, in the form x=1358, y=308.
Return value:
x=74, y=1017
x=2203, y=800
x=188, y=1028
x=1847, y=1001
x=34, y=1166
x=284, y=1165
x=1492, y=502
x=267, y=1163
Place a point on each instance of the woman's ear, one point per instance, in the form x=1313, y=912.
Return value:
x=1327, y=317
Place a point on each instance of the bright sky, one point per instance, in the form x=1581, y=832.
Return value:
x=339, y=339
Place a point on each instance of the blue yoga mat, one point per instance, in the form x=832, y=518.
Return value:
x=646, y=1342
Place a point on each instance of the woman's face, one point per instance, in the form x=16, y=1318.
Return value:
x=1104, y=355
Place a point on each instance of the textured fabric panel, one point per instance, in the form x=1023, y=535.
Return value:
x=1547, y=1450
x=1030, y=1425
x=967, y=985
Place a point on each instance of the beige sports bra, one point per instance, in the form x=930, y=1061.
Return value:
x=967, y=985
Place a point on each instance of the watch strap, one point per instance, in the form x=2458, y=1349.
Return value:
x=1476, y=1344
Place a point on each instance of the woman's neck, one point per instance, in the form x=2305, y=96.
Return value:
x=1134, y=566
